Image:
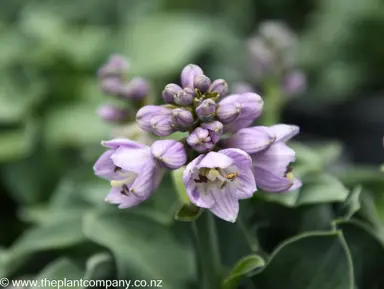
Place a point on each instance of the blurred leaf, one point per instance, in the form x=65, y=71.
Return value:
x=99, y=267
x=188, y=213
x=367, y=253
x=74, y=125
x=177, y=179
x=351, y=204
x=17, y=143
x=317, y=188
x=178, y=38
x=242, y=268
x=60, y=271
x=142, y=248
x=310, y=260
x=59, y=235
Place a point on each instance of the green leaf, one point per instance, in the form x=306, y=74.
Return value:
x=61, y=271
x=178, y=38
x=17, y=143
x=142, y=248
x=177, y=178
x=312, y=260
x=74, y=125
x=351, y=204
x=367, y=254
x=242, y=268
x=99, y=267
x=317, y=188
x=58, y=235
x=188, y=213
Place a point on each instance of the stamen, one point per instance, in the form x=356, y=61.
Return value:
x=116, y=169
x=289, y=173
x=125, y=190
x=232, y=176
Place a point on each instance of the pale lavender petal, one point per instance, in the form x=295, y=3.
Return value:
x=124, y=201
x=117, y=142
x=132, y=159
x=170, y=92
x=226, y=205
x=219, y=86
x=182, y=119
x=296, y=184
x=206, y=110
x=200, y=140
x=189, y=169
x=185, y=97
x=270, y=182
x=202, y=83
x=200, y=199
x=188, y=75
x=136, y=89
x=161, y=124
x=215, y=129
x=238, y=124
x=275, y=159
x=111, y=85
x=145, y=182
x=169, y=153
x=215, y=160
x=112, y=113
x=104, y=166
x=251, y=140
x=284, y=132
x=146, y=113
x=294, y=82
x=241, y=158
x=247, y=184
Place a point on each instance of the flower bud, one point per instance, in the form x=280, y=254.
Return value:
x=202, y=83
x=206, y=110
x=135, y=89
x=188, y=75
x=111, y=113
x=252, y=139
x=185, y=97
x=200, y=140
x=246, y=106
x=161, y=124
x=169, y=153
x=111, y=86
x=294, y=83
x=181, y=119
x=146, y=113
x=220, y=86
x=116, y=66
x=170, y=91
x=215, y=129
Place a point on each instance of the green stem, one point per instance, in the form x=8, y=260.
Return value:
x=251, y=240
x=207, y=251
x=274, y=103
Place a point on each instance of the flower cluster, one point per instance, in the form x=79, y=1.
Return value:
x=228, y=159
x=271, y=56
x=113, y=81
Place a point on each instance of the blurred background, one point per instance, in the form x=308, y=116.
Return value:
x=50, y=134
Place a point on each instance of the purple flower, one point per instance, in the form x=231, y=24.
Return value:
x=200, y=140
x=206, y=110
x=271, y=166
x=137, y=88
x=169, y=153
x=246, y=106
x=215, y=129
x=112, y=114
x=155, y=119
x=219, y=86
x=218, y=180
x=116, y=66
x=132, y=170
x=170, y=92
x=111, y=85
x=202, y=83
x=185, y=97
x=182, y=119
x=252, y=139
x=188, y=75
x=294, y=82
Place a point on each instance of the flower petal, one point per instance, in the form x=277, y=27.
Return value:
x=124, y=201
x=104, y=166
x=169, y=153
x=115, y=143
x=247, y=184
x=241, y=158
x=131, y=159
x=274, y=159
x=226, y=205
x=215, y=160
x=270, y=182
x=190, y=169
x=199, y=198
x=146, y=180
x=284, y=132
x=251, y=140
